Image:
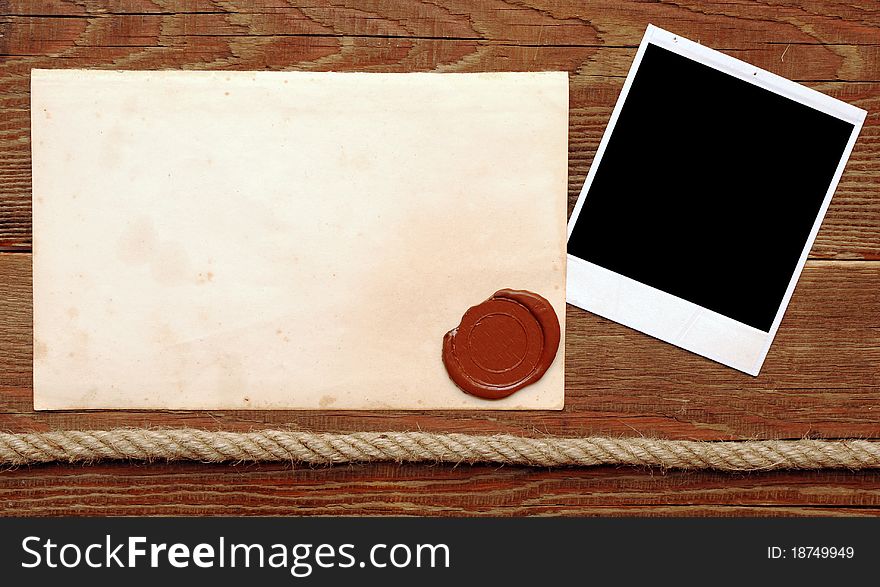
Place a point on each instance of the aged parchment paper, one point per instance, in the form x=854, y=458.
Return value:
x=286, y=240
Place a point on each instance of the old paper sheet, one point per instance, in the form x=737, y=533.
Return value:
x=286, y=240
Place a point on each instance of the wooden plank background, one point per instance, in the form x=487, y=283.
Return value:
x=821, y=378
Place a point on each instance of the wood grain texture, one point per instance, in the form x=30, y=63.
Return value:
x=831, y=46
x=388, y=489
x=821, y=378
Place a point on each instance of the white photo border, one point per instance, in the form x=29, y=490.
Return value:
x=663, y=315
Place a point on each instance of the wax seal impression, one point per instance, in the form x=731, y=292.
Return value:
x=502, y=345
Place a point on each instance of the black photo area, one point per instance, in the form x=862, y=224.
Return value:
x=709, y=187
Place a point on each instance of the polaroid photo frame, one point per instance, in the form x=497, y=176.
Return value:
x=704, y=199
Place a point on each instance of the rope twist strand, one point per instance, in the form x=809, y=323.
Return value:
x=322, y=448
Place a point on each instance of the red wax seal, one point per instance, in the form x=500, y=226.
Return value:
x=507, y=342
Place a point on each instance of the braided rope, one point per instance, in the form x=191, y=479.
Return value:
x=71, y=446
